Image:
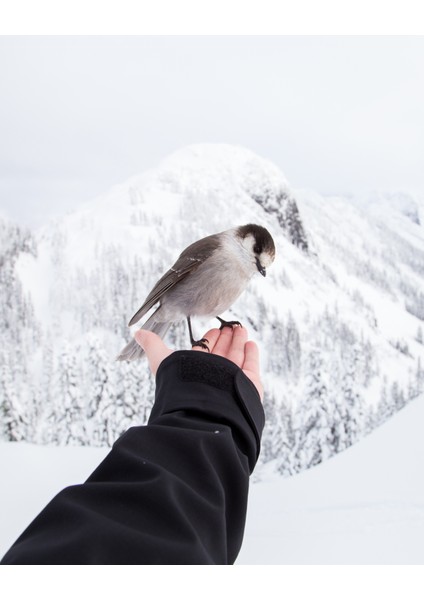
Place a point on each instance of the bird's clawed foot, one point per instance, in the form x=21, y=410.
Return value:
x=203, y=343
x=228, y=323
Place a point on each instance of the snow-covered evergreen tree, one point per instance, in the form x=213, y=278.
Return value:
x=10, y=417
x=101, y=411
x=70, y=424
x=312, y=423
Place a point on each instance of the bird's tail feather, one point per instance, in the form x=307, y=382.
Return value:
x=134, y=351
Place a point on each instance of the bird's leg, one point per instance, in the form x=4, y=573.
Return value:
x=202, y=343
x=228, y=323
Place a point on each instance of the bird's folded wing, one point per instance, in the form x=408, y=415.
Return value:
x=171, y=277
x=189, y=260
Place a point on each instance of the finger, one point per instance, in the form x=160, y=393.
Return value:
x=251, y=358
x=236, y=350
x=212, y=336
x=154, y=348
x=223, y=343
x=251, y=367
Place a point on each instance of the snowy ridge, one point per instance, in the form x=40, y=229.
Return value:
x=338, y=318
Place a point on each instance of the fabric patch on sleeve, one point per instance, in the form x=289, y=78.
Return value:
x=202, y=371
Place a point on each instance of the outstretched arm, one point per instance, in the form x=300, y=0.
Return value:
x=174, y=491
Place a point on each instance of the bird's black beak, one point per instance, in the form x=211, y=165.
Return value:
x=260, y=268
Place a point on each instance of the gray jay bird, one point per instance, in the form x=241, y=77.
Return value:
x=207, y=278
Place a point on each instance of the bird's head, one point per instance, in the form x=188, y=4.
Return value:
x=258, y=242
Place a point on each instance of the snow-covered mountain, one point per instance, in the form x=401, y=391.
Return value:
x=338, y=318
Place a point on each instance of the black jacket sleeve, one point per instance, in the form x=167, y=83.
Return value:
x=171, y=492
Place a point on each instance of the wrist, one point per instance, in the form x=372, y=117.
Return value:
x=214, y=387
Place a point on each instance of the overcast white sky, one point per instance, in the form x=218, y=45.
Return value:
x=79, y=114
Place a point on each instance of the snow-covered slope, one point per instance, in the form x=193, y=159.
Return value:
x=337, y=319
x=363, y=506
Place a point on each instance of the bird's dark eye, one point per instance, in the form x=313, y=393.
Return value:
x=256, y=249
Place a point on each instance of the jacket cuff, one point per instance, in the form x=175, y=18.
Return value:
x=216, y=388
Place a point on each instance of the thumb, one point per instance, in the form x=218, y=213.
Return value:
x=154, y=348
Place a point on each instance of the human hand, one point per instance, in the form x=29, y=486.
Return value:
x=229, y=342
